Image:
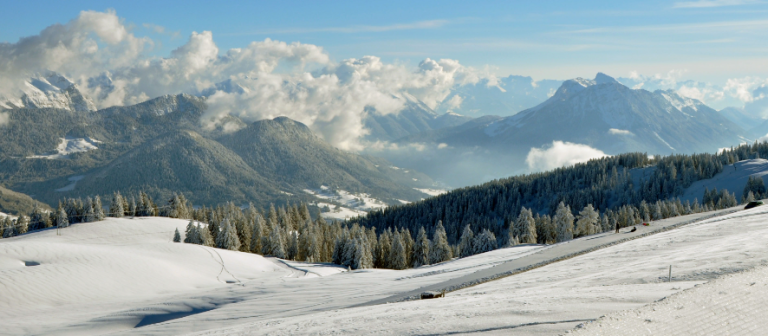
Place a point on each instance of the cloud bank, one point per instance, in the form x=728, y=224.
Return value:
x=560, y=154
x=264, y=79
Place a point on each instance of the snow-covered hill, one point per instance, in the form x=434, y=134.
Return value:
x=733, y=178
x=49, y=90
x=126, y=276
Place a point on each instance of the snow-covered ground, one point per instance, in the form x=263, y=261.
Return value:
x=343, y=204
x=115, y=275
x=733, y=178
x=732, y=305
x=68, y=146
x=555, y=298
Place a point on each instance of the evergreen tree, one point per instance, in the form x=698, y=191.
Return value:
x=563, y=222
x=439, y=251
x=588, y=221
x=465, y=242
x=176, y=236
x=61, y=218
x=421, y=249
x=524, y=228
x=397, y=256
x=485, y=241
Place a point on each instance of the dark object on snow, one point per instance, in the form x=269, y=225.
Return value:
x=633, y=229
x=432, y=295
x=753, y=204
x=646, y=224
x=617, y=227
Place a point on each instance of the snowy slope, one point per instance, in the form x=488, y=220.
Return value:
x=553, y=299
x=69, y=145
x=114, y=275
x=733, y=178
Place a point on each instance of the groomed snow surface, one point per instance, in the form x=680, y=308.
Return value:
x=125, y=276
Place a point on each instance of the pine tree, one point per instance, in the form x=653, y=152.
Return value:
x=276, y=247
x=524, y=228
x=421, y=249
x=465, y=242
x=176, y=236
x=22, y=225
x=98, y=208
x=485, y=241
x=564, y=222
x=587, y=223
x=204, y=236
x=61, y=218
x=439, y=251
x=397, y=257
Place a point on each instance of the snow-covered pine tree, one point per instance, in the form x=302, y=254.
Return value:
x=61, y=218
x=397, y=257
x=421, y=249
x=524, y=228
x=293, y=245
x=22, y=225
x=588, y=221
x=204, y=236
x=563, y=222
x=485, y=241
x=439, y=251
x=385, y=245
x=189, y=232
x=90, y=214
x=276, y=248
x=258, y=234
x=465, y=242
x=363, y=257
x=98, y=208
x=176, y=236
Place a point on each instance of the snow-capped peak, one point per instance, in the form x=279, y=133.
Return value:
x=227, y=86
x=49, y=90
x=678, y=101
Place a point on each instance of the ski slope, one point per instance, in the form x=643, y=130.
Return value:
x=125, y=276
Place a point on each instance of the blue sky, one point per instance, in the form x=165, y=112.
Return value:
x=708, y=40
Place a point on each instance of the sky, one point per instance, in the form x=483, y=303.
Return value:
x=711, y=40
x=326, y=64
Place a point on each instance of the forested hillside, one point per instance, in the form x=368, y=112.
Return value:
x=606, y=184
x=162, y=146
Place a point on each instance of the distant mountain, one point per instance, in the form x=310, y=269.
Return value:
x=745, y=120
x=416, y=117
x=609, y=116
x=505, y=97
x=286, y=151
x=49, y=90
x=159, y=146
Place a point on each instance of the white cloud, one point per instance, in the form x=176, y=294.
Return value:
x=560, y=154
x=455, y=102
x=616, y=131
x=110, y=65
x=4, y=118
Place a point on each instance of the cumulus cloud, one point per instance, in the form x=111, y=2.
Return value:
x=99, y=52
x=560, y=154
x=616, y=131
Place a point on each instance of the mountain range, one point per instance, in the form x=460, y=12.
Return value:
x=160, y=147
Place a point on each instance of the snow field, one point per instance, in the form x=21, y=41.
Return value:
x=555, y=298
x=731, y=305
x=92, y=267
